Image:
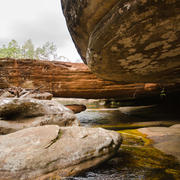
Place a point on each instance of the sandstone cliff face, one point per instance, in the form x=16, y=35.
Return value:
x=131, y=41
x=73, y=80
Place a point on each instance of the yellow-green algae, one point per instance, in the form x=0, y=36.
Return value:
x=138, y=153
x=134, y=125
x=133, y=136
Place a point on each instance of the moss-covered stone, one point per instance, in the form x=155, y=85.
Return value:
x=134, y=137
x=137, y=153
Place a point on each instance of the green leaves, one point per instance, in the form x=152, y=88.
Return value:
x=28, y=51
x=163, y=92
x=13, y=50
x=48, y=51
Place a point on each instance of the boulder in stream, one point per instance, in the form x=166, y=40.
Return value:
x=76, y=108
x=53, y=152
x=17, y=114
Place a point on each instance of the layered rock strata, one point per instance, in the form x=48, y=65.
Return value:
x=131, y=41
x=72, y=80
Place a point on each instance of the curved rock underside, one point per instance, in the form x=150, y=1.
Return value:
x=131, y=41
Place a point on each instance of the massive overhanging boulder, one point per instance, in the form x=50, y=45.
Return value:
x=133, y=41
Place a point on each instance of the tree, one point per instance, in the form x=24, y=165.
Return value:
x=13, y=50
x=47, y=52
x=3, y=52
x=28, y=51
x=78, y=61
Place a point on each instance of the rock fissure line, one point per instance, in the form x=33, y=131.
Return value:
x=54, y=140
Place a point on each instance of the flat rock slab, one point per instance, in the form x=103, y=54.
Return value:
x=17, y=114
x=53, y=152
x=165, y=139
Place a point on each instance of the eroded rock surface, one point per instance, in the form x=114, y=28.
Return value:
x=17, y=114
x=54, y=152
x=73, y=80
x=131, y=41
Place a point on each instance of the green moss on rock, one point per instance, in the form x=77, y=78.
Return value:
x=138, y=153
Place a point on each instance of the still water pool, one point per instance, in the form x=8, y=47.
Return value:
x=136, y=159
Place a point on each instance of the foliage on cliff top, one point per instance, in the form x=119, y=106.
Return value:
x=28, y=51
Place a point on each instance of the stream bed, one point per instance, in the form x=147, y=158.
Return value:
x=136, y=159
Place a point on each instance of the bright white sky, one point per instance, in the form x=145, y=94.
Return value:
x=38, y=20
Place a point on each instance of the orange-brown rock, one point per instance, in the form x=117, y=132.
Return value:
x=131, y=41
x=71, y=80
x=76, y=108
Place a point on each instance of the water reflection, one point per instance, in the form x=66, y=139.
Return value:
x=89, y=103
x=134, y=160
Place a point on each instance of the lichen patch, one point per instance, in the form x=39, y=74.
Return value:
x=171, y=53
x=154, y=45
x=170, y=36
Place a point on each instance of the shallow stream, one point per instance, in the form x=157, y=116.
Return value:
x=136, y=159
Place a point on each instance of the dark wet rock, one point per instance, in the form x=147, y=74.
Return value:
x=53, y=152
x=76, y=108
x=164, y=111
x=17, y=113
x=127, y=41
